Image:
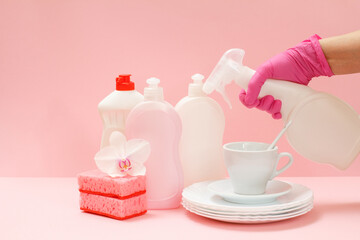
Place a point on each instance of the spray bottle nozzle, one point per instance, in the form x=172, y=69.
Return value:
x=228, y=69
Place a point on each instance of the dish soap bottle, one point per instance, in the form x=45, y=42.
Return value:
x=116, y=106
x=323, y=128
x=203, y=124
x=157, y=122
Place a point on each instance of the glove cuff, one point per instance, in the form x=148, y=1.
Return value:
x=320, y=55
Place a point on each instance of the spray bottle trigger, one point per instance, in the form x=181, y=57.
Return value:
x=221, y=89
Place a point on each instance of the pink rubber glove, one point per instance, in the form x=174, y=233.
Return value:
x=298, y=64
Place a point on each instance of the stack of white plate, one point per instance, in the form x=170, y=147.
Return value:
x=216, y=200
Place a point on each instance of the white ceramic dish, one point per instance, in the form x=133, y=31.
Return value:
x=250, y=219
x=198, y=194
x=274, y=189
x=286, y=214
x=239, y=213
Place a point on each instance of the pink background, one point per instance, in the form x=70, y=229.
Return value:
x=58, y=59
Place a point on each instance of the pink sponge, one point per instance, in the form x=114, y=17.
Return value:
x=119, y=198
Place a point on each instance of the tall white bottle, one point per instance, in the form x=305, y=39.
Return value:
x=116, y=106
x=203, y=124
x=156, y=121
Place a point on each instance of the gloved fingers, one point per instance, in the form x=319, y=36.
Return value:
x=276, y=115
x=257, y=81
x=242, y=97
x=254, y=87
x=266, y=102
x=270, y=105
x=275, y=109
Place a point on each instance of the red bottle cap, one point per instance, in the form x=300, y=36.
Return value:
x=123, y=83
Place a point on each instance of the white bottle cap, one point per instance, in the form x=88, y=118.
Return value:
x=153, y=91
x=195, y=88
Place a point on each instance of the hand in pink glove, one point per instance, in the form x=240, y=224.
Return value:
x=298, y=64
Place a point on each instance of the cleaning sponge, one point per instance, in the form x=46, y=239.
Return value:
x=120, y=198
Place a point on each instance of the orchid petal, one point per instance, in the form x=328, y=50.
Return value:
x=137, y=169
x=117, y=174
x=118, y=140
x=106, y=159
x=138, y=150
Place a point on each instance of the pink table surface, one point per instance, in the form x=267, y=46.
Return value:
x=47, y=208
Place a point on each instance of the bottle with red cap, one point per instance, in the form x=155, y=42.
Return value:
x=116, y=106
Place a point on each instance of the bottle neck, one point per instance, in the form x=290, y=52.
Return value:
x=195, y=90
x=153, y=94
x=242, y=76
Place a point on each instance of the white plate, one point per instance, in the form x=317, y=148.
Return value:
x=277, y=216
x=224, y=189
x=234, y=213
x=239, y=219
x=198, y=195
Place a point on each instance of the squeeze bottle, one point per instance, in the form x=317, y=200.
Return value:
x=116, y=106
x=324, y=128
x=203, y=124
x=157, y=122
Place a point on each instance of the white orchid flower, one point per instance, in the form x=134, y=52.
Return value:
x=123, y=157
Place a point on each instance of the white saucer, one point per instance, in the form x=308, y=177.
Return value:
x=274, y=189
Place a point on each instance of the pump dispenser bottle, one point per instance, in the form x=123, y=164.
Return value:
x=156, y=121
x=116, y=106
x=323, y=128
x=203, y=124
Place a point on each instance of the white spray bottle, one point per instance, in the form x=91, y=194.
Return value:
x=203, y=124
x=324, y=128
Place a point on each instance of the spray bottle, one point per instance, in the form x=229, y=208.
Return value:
x=324, y=128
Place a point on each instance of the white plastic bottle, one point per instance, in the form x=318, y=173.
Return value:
x=116, y=106
x=157, y=122
x=323, y=128
x=203, y=124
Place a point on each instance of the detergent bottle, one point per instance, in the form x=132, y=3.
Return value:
x=116, y=106
x=157, y=122
x=203, y=124
x=323, y=128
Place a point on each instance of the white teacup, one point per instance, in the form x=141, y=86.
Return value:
x=250, y=165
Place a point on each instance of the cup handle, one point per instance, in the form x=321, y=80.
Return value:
x=283, y=154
